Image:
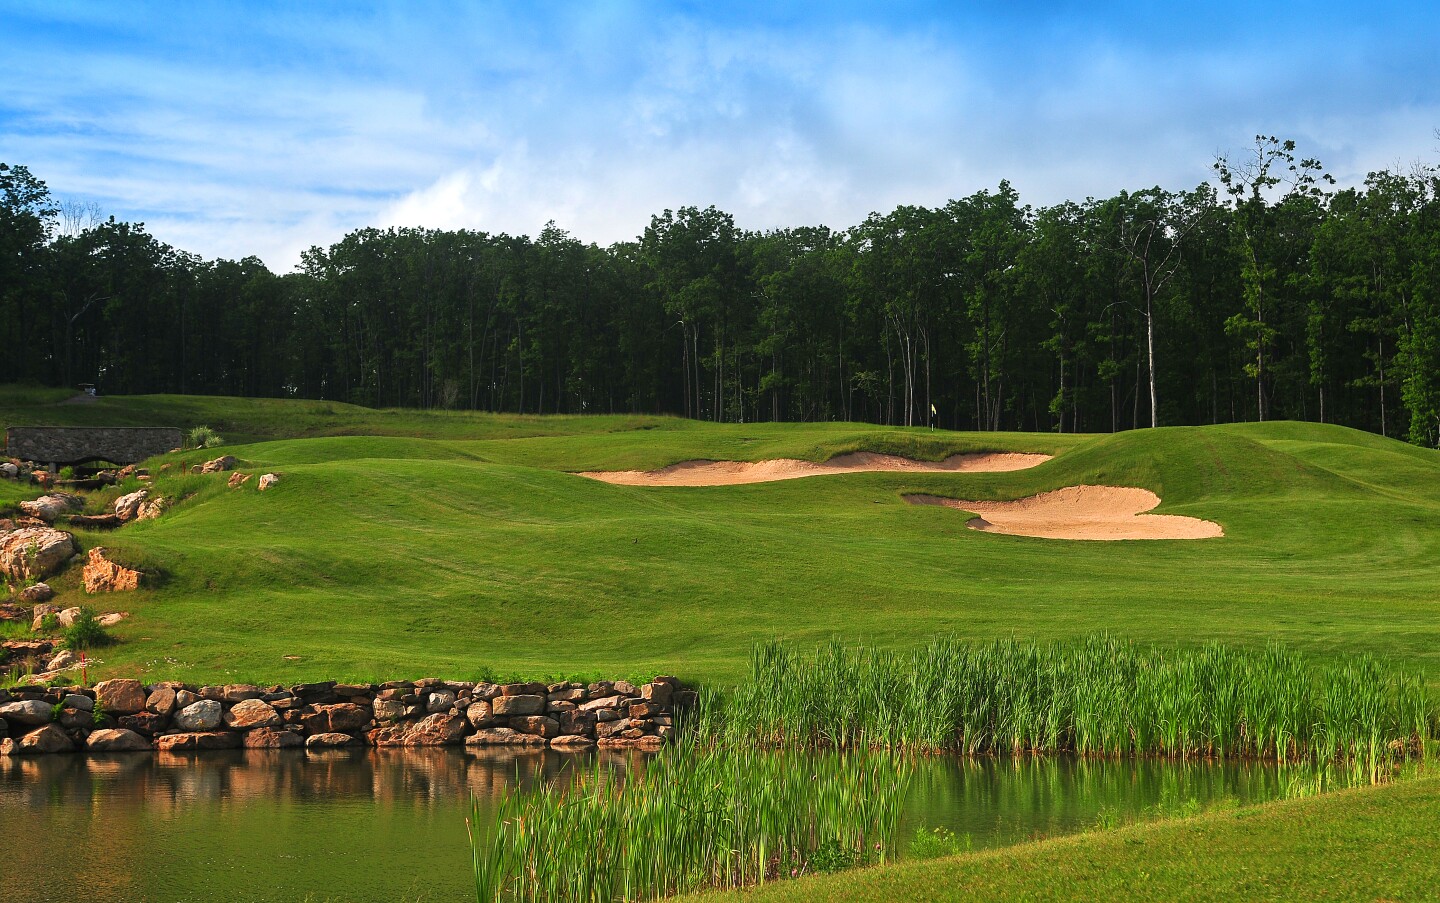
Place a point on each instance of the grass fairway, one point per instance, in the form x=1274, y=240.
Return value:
x=1376, y=843
x=405, y=543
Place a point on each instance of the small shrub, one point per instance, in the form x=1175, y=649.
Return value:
x=831, y=856
x=203, y=437
x=86, y=632
x=67, y=473
x=937, y=842
x=1108, y=819
x=98, y=717
x=50, y=623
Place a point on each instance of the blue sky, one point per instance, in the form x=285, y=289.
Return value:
x=265, y=128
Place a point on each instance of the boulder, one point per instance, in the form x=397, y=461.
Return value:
x=267, y=480
x=269, y=738
x=388, y=709
x=330, y=740
x=9, y=471
x=54, y=506
x=64, y=660
x=603, y=702
x=73, y=720
x=572, y=743
x=506, y=706
x=573, y=694
x=199, y=717
x=78, y=701
x=657, y=693
x=33, y=553
x=479, y=714
x=530, y=689
x=116, y=741
x=105, y=576
x=440, y=701
x=34, y=595
x=27, y=712
x=644, y=743
x=233, y=693
x=538, y=725
x=127, y=507
x=484, y=691
x=161, y=701
x=185, y=697
x=220, y=464
x=110, y=619
x=339, y=717
x=198, y=740
x=503, y=736
x=68, y=616
x=152, y=508
x=252, y=713
x=439, y=729
x=48, y=739
x=147, y=723
x=37, y=623
x=237, y=479
x=576, y=723
x=121, y=696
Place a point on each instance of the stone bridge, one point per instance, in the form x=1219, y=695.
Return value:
x=78, y=445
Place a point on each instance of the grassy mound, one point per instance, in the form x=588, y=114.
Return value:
x=472, y=551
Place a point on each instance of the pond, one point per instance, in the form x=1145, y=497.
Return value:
x=389, y=825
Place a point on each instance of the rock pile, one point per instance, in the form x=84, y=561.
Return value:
x=102, y=575
x=124, y=715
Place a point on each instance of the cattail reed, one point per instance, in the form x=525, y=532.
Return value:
x=1094, y=697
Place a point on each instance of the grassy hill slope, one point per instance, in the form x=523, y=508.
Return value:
x=474, y=552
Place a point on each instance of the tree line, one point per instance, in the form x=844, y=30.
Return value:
x=1265, y=293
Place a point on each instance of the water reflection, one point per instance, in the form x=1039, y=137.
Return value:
x=388, y=824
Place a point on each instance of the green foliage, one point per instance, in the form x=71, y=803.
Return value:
x=86, y=632
x=932, y=843
x=202, y=437
x=1095, y=697
x=691, y=818
x=1268, y=295
x=98, y=715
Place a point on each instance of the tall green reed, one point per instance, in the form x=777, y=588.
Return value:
x=688, y=819
x=1098, y=696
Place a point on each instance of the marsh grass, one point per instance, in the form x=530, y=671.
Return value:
x=691, y=818
x=1098, y=696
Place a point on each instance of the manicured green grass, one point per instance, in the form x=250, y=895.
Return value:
x=1375, y=843
x=475, y=553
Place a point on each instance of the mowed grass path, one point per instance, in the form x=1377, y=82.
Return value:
x=476, y=552
x=1375, y=843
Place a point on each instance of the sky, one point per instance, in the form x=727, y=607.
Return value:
x=248, y=128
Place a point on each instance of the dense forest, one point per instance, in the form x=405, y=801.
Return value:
x=1267, y=293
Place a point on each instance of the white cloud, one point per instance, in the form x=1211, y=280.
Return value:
x=598, y=118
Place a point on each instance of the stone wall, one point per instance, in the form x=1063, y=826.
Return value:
x=76, y=445
x=127, y=716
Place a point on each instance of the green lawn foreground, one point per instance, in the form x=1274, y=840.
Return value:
x=1373, y=843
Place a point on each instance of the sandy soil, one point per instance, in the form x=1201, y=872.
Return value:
x=1080, y=512
x=730, y=473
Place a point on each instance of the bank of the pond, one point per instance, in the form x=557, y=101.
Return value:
x=381, y=825
x=124, y=715
x=1363, y=844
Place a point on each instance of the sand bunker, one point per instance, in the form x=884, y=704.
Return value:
x=1080, y=512
x=730, y=473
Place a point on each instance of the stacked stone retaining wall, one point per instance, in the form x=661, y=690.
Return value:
x=127, y=716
